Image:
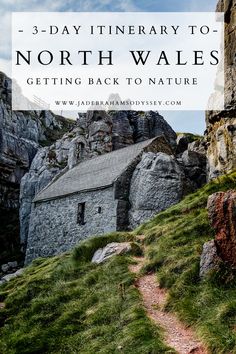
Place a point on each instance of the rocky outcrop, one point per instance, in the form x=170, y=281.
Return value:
x=9, y=267
x=194, y=165
x=160, y=180
x=210, y=260
x=191, y=142
x=110, y=250
x=183, y=140
x=221, y=126
x=222, y=214
x=221, y=152
x=8, y=277
x=191, y=155
x=99, y=132
x=157, y=183
x=21, y=134
x=130, y=127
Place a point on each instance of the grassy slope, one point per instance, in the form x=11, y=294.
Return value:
x=174, y=240
x=67, y=305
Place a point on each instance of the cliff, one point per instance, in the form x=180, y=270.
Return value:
x=221, y=126
x=21, y=135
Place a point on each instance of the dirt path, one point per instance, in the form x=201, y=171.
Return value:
x=176, y=335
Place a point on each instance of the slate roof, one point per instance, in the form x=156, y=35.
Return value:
x=96, y=173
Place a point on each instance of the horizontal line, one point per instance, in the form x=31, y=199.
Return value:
x=43, y=31
x=68, y=194
x=215, y=31
x=20, y=30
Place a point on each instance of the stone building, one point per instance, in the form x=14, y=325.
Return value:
x=90, y=199
x=96, y=133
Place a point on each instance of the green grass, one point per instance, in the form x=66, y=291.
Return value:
x=174, y=240
x=65, y=304
x=190, y=136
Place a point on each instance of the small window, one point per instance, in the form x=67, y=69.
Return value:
x=99, y=210
x=80, y=215
x=81, y=148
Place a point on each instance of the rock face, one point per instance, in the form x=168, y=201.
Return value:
x=161, y=180
x=98, y=128
x=191, y=155
x=194, y=165
x=21, y=134
x=183, y=140
x=157, y=183
x=222, y=214
x=112, y=249
x=130, y=127
x=221, y=126
x=222, y=147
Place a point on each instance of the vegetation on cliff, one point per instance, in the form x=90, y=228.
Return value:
x=66, y=304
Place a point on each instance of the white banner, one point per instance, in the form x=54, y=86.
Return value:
x=116, y=61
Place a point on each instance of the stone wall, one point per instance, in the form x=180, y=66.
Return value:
x=53, y=224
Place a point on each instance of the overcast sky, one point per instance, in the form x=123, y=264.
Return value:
x=180, y=121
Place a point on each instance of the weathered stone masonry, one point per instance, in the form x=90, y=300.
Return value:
x=54, y=227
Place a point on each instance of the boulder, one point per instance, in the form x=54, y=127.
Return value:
x=13, y=264
x=9, y=266
x=222, y=214
x=8, y=277
x=156, y=184
x=209, y=258
x=110, y=250
x=5, y=268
